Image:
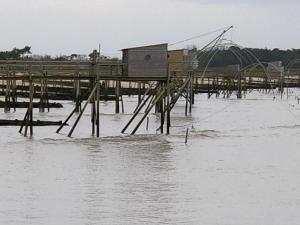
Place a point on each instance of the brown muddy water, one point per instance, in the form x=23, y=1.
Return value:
x=241, y=166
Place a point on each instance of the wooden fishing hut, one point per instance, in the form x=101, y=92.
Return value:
x=149, y=63
x=146, y=63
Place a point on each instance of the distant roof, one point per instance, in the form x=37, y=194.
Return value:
x=144, y=46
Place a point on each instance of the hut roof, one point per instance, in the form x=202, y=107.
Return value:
x=147, y=46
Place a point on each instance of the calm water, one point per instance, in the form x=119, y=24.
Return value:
x=241, y=166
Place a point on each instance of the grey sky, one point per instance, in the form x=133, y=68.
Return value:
x=77, y=26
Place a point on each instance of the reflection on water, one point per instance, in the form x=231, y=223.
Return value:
x=240, y=166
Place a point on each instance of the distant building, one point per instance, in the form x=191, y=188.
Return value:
x=78, y=57
x=181, y=60
x=275, y=66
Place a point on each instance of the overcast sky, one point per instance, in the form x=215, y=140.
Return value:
x=78, y=26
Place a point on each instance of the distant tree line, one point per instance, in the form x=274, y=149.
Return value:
x=235, y=55
x=16, y=53
x=221, y=57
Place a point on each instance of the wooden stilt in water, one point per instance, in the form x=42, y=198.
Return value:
x=162, y=113
x=29, y=114
x=147, y=124
x=239, y=84
x=186, y=135
x=192, y=89
x=139, y=92
x=168, y=109
x=93, y=114
x=98, y=107
x=208, y=88
x=137, y=112
x=190, y=93
x=122, y=103
x=66, y=121
x=77, y=93
x=157, y=99
x=81, y=112
x=187, y=96
x=117, y=96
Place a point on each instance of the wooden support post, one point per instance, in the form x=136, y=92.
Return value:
x=239, y=84
x=93, y=115
x=42, y=94
x=281, y=84
x=7, y=92
x=192, y=89
x=66, y=121
x=147, y=124
x=136, y=113
x=24, y=121
x=77, y=93
x=158, y=97
x=208, y=88
x=29, y=115
x=186, y=135
x=98, y=107
x=92, y=100
x=168, y=105
x=190, y=93
x=187, y=96
x=122, y=103
x=218, y=87
x=81, y=112
x=117, y=92
x=14, y=93
x=139, y=92
x=197, y=90
x=162, y=112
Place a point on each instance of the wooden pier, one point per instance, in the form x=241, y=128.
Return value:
x=150, y=72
